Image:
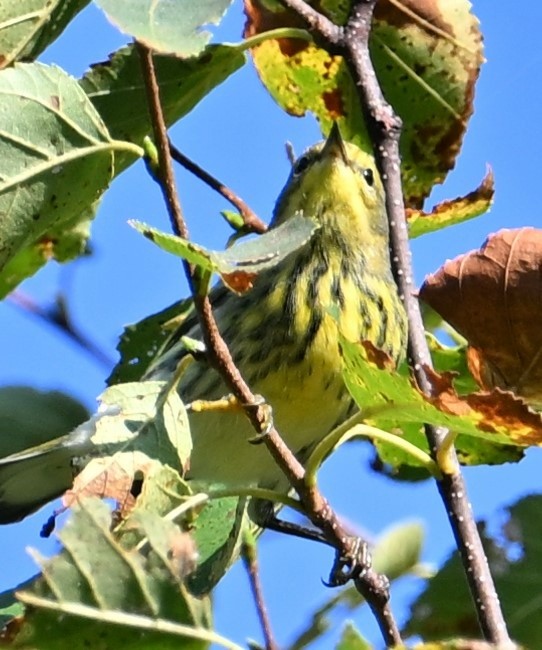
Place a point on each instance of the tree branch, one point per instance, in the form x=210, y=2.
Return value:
x=58, y=316
x=352, y=559
x=252, y=222
x=250, y=559
x=385, y=128
x=167, y=176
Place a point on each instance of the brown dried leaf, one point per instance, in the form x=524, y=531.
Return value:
x=493, y=297
x=10, y=630
x=239, y=281
x=110, y=477
x=183, y=554
x=377, y=356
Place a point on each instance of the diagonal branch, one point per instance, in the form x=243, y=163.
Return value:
x=58, y=316
x=385, y=128
x=352, y=559
x=251, y=220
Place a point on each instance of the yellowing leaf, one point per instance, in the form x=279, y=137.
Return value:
x=454, y=211
x=388, y=400
x=427, y=56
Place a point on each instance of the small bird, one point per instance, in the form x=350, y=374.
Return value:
x=283, y=336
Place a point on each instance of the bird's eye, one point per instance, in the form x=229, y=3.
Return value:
x=301, y=165
x=369, y=176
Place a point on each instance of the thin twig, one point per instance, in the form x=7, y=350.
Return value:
x=167, y=180
x=317, y=22
x=251, y=220
x=352, y=559
x=250, y=559
x=58, y=317
x=385, y=128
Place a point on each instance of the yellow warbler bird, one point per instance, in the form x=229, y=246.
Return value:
x=283, y=336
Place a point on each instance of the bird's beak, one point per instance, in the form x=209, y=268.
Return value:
x=334, y=145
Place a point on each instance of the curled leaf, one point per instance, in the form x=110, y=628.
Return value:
x=493, y=297
x=239, y=265
x=499, y=413
x=453, y=211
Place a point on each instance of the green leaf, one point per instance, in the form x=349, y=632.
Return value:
x=162, y=492
x=142, y=343
x=56, y=159
x=215, y=524
x=63, y=243
x=117, y=91
x=515, y=557
x=95, y=593
x=239, y=264
x=165, y=26
x=9, y=606
x=29, y=417
x=29, y=26
x=187, y=250
x=143, y=416
x=218, y=536
x=398, y=550
x=351, y=639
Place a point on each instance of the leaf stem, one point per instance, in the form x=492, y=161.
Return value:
x=116, y=617
x=338, y=437
x=279, y=32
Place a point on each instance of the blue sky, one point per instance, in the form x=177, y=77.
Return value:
x=238, y=134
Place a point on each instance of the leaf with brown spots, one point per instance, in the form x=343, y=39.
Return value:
x=427, y=57
x=111, y=477
x=51, y=177
x=454, y=211
x=493, y=297
x=497, y=413
x=380, y=358
x=495, y=426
